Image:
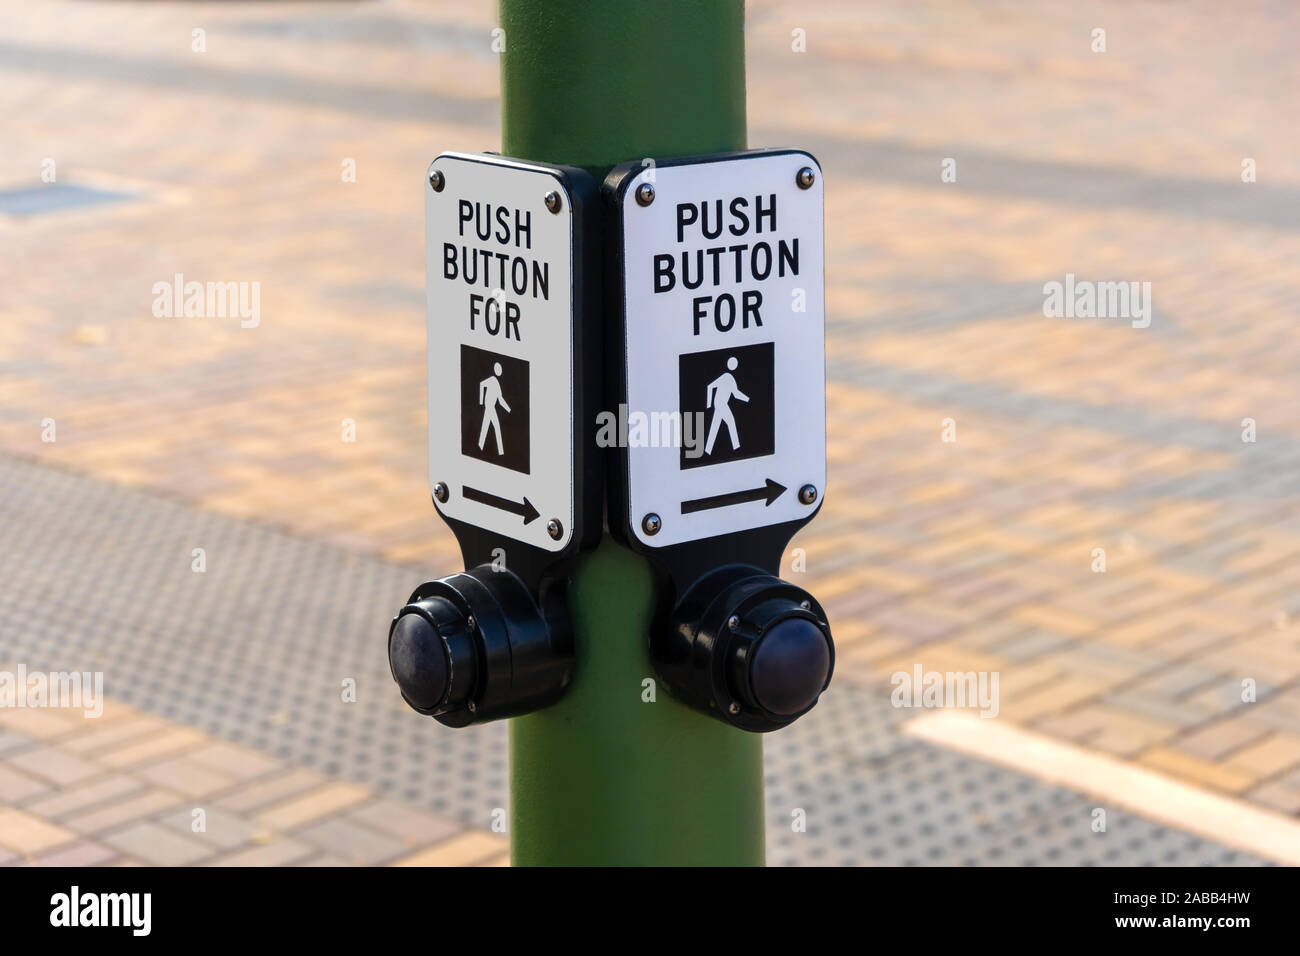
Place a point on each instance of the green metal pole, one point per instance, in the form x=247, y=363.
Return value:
x=604, y=777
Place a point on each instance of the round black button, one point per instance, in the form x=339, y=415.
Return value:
x=789, y=666
x=419, y=661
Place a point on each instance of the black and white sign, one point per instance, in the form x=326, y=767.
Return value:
x=500, y=256
x=710, y=394
x=722, y=274
x=494, y=419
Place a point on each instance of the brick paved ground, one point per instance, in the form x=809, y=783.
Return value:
x=130, y=788
x=1071, y=435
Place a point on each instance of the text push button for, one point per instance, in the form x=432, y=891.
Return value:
x=508, y=380
x=723, y=366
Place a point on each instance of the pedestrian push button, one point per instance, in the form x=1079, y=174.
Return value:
x=746, y=647
x=475, y=646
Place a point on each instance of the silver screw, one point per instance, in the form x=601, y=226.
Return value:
x=553, y=201
x=805, y=177
x=470, y=623
x=555, y=529
x=808, y=494
x=733, y=709
x=645, y=194
x=806, y=605
x=651, y=523
x=436, y=180
x=440, y=492
x=733, y=622
x=472, y=706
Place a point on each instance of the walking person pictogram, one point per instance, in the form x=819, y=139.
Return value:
x=489, y=396
x=494, y=391
x=720, y=393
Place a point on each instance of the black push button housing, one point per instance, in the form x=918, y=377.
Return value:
x=746, y=647
x=475, y=646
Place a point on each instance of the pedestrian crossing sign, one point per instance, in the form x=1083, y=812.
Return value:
x=507, y=291
x=720, y=282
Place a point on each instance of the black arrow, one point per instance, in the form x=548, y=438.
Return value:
x=770, y=491
x=525, y=508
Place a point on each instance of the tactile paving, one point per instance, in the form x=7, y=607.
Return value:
x=257, y=648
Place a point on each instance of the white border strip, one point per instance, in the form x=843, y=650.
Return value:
x=1223, y=819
